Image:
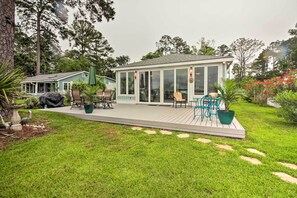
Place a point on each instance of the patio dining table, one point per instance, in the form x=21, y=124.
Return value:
x=213, y=107
x=208, y=106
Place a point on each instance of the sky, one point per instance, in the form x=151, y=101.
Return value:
x=139, y=24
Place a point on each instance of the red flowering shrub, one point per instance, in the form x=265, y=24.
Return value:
x=259, y=91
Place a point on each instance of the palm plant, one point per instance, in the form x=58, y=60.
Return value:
x=10, y=83
x=90, y=94
x=228, y=93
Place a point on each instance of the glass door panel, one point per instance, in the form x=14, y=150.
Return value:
x=182, y=82
x=199, y=80
x=168, y=85
x=143, y=86
x=155, y=86
x=212, y=78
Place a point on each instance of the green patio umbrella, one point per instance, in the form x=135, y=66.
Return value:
x=92, y=76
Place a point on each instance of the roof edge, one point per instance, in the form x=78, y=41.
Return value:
x=224, y=59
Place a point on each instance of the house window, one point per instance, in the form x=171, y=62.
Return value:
x=66, y=86
x=212, y=78
x=127, y=83
x=199, y=80
x=123, y=81
x=40, y=88
x=30, y=87
x=130, y=82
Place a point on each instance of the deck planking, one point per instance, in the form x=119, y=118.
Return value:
x=163, y=117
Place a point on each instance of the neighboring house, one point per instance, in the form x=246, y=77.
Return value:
x=109, y=82
x=58, y=82
x=155, y=80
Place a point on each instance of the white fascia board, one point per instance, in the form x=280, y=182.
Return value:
x=71, y=75
x=222, y=60
x=35, y=81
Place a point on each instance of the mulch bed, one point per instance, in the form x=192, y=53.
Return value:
x=9, y=136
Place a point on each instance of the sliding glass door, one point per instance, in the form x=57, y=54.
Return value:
x=182, y=82
x=155, y=86
x=143, y=86
x=168, y=81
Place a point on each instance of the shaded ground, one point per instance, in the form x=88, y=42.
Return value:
x=9, y=136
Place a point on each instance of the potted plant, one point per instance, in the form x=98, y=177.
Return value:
x=89, y=95
x=229, y=94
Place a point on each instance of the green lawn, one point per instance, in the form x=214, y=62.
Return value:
x=91, y=159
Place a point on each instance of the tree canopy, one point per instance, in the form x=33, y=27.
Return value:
x=53, y=14
x=244, y=50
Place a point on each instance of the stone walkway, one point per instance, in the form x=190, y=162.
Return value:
x=203, y=140
x=150, y=132
x=251, y=160
x=283, y=176
x=286, y=177
x=164, y=132
x=225, y=146
x=251, y=150
x=183, y=135
x=288, y=165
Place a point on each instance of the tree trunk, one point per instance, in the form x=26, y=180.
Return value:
x=7, y=26
x=38, y=45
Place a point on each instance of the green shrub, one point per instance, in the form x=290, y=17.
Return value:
x=288, y=102
x=32, y=103
x=67, y=98
x=80, y=85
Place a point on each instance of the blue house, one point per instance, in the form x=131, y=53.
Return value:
x=58, y=82
x=155, y=80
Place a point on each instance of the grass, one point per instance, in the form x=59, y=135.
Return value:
x=91, y=159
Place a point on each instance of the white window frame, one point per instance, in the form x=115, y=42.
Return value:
x=68, y=86
x=127, y=84
x=205, y=80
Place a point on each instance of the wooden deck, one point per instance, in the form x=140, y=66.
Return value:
x=163, y=117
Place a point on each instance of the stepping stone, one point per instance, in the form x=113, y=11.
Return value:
x=136, y=128
x=251, y=150
x=203, y=140
x=184, y=135
x=225, y=146
x=252, y=160
x=289, y=165
x=150, y=132
x=286, y=177
x=164, y=132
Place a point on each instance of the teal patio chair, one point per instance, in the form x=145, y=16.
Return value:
x=203, y=105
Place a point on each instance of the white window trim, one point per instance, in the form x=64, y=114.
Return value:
x=127, y=84
x=68, y=86
x=205, y=79
x=194, y=78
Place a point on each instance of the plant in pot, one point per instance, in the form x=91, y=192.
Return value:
x=229, y=94
x=89, y=95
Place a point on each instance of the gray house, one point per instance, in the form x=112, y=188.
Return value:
x=59, y=82
x=155, y=80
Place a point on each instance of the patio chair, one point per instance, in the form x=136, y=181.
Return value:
x=203, y=106
x=98, y=98
x=208, y=106
x=107, y=99
x=76, y=99
x=177, y=98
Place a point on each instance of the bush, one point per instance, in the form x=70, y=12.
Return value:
x=67, y=98
x=80, y=85
x=32, y=103
x=288, y=102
